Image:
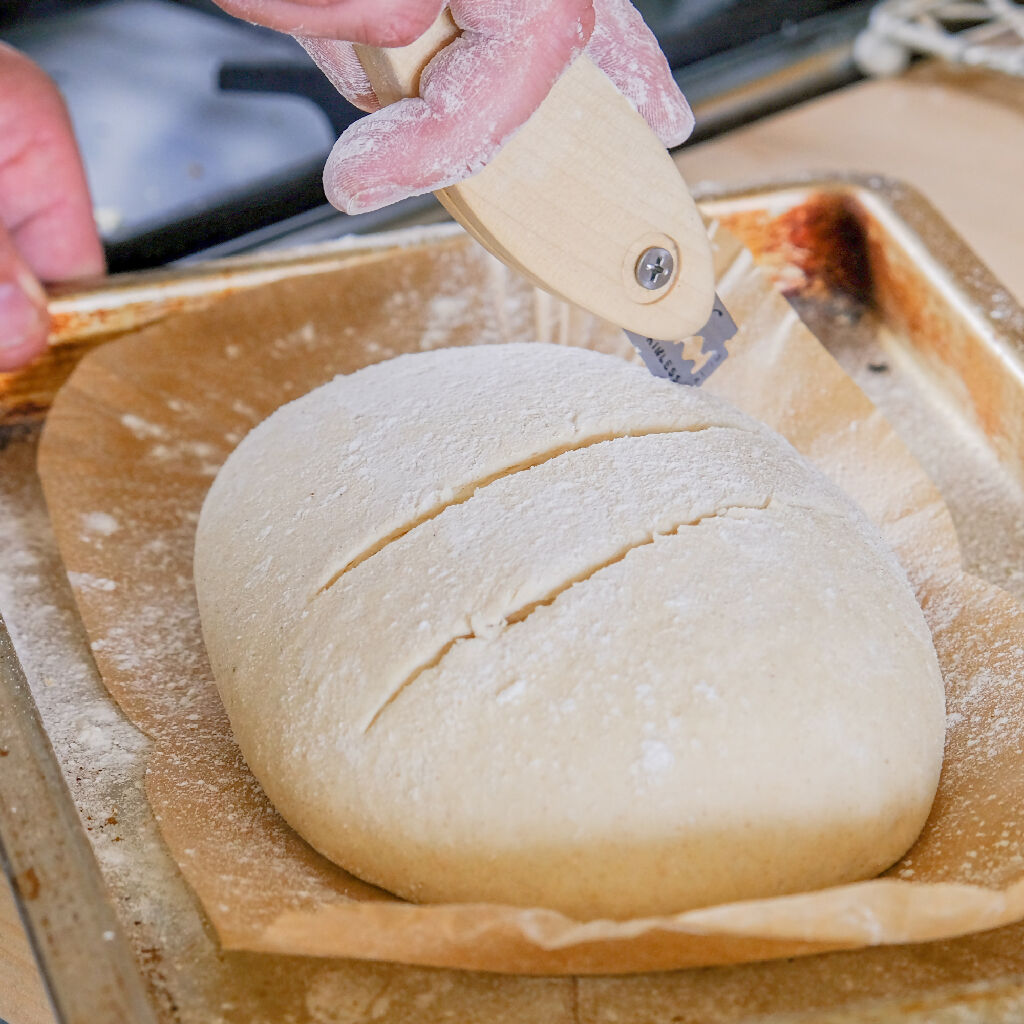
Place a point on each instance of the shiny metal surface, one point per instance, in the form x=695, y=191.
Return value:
x=655, y=269
x=680, y=361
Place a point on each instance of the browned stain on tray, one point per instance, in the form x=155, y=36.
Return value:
x=817, y=247
x=829, y=247
x=28, y=884
x=947, y=347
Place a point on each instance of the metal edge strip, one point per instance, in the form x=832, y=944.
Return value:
x=58, y=887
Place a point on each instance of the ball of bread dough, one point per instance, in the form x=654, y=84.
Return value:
x=523, y=624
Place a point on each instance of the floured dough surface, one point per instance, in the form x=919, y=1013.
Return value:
x=523, y=624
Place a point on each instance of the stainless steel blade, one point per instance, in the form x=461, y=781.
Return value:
x=669, y=358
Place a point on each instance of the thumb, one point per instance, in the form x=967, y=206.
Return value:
x=23, y=318
x=625, y=49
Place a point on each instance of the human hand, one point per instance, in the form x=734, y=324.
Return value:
x=47, y=231
x=476, y=93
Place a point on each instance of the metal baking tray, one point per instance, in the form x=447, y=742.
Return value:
x=911, y=315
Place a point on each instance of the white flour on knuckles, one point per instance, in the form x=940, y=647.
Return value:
x=522, y=624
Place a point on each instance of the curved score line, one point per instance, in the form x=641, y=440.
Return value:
x=521, y=614
x=469, y=490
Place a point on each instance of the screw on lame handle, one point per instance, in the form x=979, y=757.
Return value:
x=578, y=198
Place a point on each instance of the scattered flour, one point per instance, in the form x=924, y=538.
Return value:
x=102, y=523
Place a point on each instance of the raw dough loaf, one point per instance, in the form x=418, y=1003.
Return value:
x=523, y=624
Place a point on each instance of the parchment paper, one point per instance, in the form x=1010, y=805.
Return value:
x=138, y=434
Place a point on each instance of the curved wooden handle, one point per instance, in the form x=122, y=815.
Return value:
x=395, y=74
x=576, y=197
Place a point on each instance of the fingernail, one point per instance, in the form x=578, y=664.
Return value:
x=373, y=199
x=31, y=287
x=20, y=318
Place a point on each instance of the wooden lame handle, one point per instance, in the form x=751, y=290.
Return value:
x=576, y=197
x=395, y=74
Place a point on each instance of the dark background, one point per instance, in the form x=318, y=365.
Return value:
x=744, y=50
x=688, y=30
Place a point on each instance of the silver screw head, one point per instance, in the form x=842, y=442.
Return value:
x=654, y=269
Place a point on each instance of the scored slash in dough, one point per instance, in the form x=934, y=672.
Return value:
x=523, y=624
